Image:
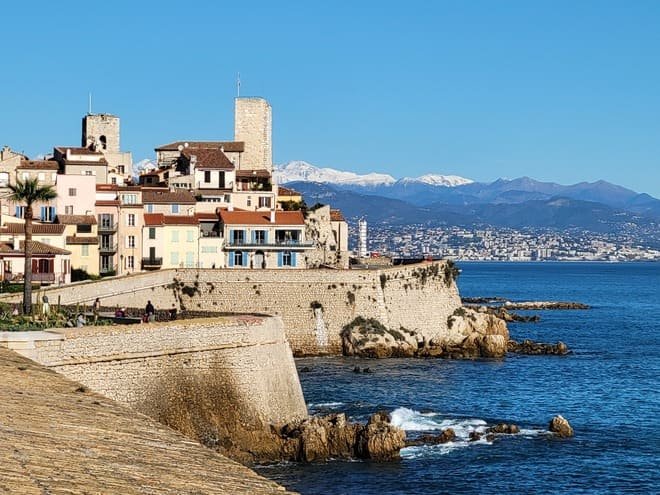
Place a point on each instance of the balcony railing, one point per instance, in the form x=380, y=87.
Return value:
x=107, y=269
x=108, y=227
x=108, y=248
x=152, y=262
x=288, y=244
x=43, y=277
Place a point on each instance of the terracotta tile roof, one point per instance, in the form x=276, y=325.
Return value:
x=43, y=248
x=96, y=163
x=206, y=216
x=154, y=219
x=38, y=165
x=115, y=187
x=261, y=218
x=76, y=219
x=107, y=202
x=246, y=174
x=72, y=239
x=165, y=196
x=336, y=216
x=37, y=228
x=285, y=191
x=77, y=150
x=209, y=158
x=229, y=146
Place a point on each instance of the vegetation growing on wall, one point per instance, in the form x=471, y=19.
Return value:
x=451, y=272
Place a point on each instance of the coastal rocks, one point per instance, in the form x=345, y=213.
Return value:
x=530, y=347
x=446, y=436
x=561, y=427
x=545, y=305
x=367, y=337
x=380, y=440
x=503, y=428
x=476, y=334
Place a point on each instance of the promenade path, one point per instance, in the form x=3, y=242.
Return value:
x=56, y=437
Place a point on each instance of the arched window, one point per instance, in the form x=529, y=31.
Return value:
x=104, y=142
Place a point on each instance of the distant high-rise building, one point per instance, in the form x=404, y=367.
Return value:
x=362, y=238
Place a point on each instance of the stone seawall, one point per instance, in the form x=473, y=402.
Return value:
x=314, y=304
x=242, y=363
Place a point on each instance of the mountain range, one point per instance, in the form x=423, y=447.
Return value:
x=524, y=202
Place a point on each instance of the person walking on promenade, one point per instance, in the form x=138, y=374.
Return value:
x=96, y=308
x=150, y=312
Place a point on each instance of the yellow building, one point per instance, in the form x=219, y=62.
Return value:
x=170, y=241
x=81, y=239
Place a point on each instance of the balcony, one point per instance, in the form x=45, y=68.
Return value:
x=107, y=269
x=43, y=277
x=283, y=244
x=151, y=263
x=107, y=227
x=108, y=248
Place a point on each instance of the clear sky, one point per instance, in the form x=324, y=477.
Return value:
x=563, y=91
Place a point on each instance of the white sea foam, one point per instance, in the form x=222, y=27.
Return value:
x=411, y=420
x=325, y=405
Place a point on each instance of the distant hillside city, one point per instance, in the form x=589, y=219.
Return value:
x=205, y=205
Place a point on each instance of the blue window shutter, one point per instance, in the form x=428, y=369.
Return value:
x=265, y=237
x=245, y=258
x=18, y=212
x=52, y=213
x=279, y=258
x=42, y=216
x=293, y=258
x=231, y=235
x=254, y=236
x=231, y=258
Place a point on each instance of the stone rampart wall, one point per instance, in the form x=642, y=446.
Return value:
x=314, y=304
x=242, y=362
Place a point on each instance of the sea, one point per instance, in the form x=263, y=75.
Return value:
x=608, y=388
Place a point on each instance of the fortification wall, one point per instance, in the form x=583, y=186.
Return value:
x=313, y=304
x=241, y=363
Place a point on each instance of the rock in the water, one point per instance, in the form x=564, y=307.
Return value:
x=475, y=436
x=367, y=337
x=561, y=427
x=537, y=348
x=379, y=439
x=504, y=428
x=447, y=435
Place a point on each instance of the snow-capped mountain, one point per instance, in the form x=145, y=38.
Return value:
x=438, y=180
x=303, y=171
x=144, y=166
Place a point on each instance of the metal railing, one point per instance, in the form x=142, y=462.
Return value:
x=152, y=261
x=276, y=244
x=108, y=248
x=105, y=227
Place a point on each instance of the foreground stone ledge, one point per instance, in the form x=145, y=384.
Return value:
x=59, y=438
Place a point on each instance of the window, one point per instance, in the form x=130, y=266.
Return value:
x=190, y=235
x=83, y=229
x=286, y=258
x=190, y=259
x=175, y=208
x=264, y=201
x=20, y=212
x=237, y=236
x=106, y=220
x=260, y=237
x=113, y=180
x=152, y=232
x=129, y=199
x=84, y=250
x=238, y=258
x=249, y=201
x=89, y=172
x=104, y=142
x=68, y=209
x=130, y=241
x=150, y=208
x=130, y=262
x=47, y=214
x=207, y=176
x=41, y=176
x=221, y=182
x=130, y=220
x=106, y=263
x=73, y=191
x=174, y=236
x=120, y=169
x=174, y=258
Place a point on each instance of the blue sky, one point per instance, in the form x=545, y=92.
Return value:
x=563, y=91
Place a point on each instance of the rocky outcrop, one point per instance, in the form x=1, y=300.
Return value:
x=537, y=348
x=470, y=334
x=561, y=427
x=545, y=305
x=447, y=435
x=504, y=428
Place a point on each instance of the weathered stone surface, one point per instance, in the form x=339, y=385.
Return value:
x=58, y=438
x=367, y=337
x=561, y=427
x=447, y=435
x=537, y=348
x=509, y=429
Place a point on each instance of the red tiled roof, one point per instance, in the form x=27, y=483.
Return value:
x=76, y=219
x=38, y=248
x=38, y=165
x=72, y=239
x=285, y=191
x=229, y=146
x=154, y=219
x=206, y=216
x=165, y=196
x=336, y=216
x=261, y=218
x=246, y=174
x=107, y=202
x=208, y=158
x=37, y=228
x=76, y=150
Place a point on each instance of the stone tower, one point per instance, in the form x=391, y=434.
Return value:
x=253, y=124
x=101, y=131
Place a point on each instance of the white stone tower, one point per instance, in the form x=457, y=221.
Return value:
x=101, y=131
x=253, y=124
x=362, y=238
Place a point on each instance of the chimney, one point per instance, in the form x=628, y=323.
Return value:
x=272, y=216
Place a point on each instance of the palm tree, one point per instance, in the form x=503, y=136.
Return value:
x=29, y=192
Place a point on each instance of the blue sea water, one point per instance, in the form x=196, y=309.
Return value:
x=608, y=389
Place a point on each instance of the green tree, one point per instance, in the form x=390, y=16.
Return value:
x=29, y=192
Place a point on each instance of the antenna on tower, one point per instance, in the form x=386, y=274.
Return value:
x=238, y=85
x=89, y=110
